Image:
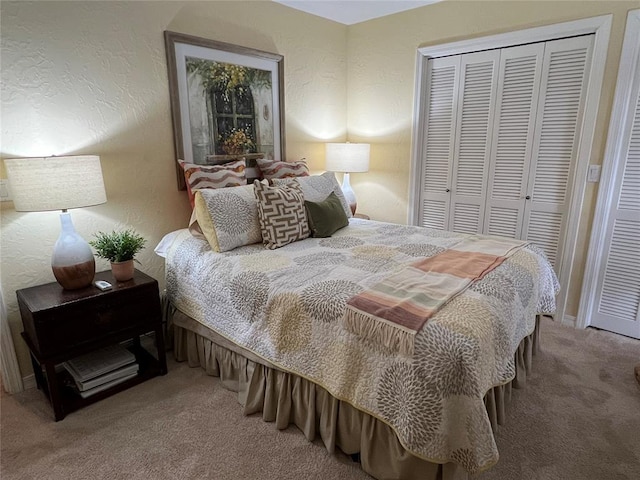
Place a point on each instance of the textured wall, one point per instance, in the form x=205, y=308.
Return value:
x=381, y=78
x=91, y=77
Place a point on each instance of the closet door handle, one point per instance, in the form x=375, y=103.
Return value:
x=528, y=197
x=447, y=190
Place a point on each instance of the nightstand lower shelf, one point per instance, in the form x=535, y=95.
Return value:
x=65, y=399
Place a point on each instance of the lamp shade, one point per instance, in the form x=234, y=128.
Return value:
x=55, y=183
x=61, y=183
x=347, y=157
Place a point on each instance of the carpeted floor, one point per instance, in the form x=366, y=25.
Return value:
x=578, y=418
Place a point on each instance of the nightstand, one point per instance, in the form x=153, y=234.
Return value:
x=361, y=215
x=62, y=324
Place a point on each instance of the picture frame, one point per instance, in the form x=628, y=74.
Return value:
x=227, y=102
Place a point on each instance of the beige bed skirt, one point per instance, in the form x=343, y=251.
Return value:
x=286, y=398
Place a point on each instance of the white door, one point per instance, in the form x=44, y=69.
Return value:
x=560, y=109
x=617, y=293
x=476, y=108
x=512, y=144
x=440, y=106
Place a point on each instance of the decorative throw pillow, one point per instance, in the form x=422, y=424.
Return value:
x=199, y=177
x=281, y=214
x=326, y=217
x=228, y=217
x=318, y=187
x=276, y=169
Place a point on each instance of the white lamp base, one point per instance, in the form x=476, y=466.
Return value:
x=72, y=262
x=349, y=194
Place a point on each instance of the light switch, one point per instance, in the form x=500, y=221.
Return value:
x=594, y=173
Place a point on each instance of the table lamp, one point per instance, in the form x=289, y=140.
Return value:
x=60, y=183
x=347, y=158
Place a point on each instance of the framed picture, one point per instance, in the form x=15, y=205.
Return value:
x=227, y=102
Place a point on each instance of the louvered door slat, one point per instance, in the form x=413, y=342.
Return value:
x=560, y=105
x=545, y=229
x=438, y=147
x=440, y=118
x=433, y=214
x=621, y=286
x=517, y=99
x=478, y=84
x=630, y=191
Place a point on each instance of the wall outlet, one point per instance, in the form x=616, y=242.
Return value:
x=4, y=190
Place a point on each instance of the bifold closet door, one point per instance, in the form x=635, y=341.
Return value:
x=560, y=108
x=512, y=142
x=617, y=305
x=500, y=146
x=476, y=107
x=440, y=105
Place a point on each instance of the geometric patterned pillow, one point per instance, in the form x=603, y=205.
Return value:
x=276, y=169
x=198, y=177
x=228, y=217
x=281, y=214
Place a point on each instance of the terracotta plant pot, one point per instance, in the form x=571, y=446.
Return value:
x=122, y=271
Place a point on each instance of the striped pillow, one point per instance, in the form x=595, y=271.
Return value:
x=276, y=169
x=281, y=212
x=198, y=177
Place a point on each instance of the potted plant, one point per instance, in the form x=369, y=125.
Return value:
x=120, y=248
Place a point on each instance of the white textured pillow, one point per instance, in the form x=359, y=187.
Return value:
x=281, y=213
x=228, y=217
x=317, y=188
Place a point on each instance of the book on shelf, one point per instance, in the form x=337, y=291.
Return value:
x=125, y=371
x=104, y=386
x=99, y=362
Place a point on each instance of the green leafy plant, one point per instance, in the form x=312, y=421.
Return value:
x=118, y=246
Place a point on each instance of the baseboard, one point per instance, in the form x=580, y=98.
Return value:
x=569, y=321
x=29, y=381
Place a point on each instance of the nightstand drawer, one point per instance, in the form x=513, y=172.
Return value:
x=84, y=322
x=91, y=317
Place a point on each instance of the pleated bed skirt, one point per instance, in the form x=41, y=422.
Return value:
x=286, y=398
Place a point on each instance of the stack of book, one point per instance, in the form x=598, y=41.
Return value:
x=101, y=369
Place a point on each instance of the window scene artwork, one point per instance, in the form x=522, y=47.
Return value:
x=229, y=110
x=227, y=102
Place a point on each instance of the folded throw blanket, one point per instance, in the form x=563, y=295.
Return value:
x=393, y=311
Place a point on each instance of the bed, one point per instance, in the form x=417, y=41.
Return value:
x=271, y=324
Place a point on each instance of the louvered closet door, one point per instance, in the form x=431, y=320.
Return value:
x=476, y=107
x=438, y=148
x=618, y=302
x=511, y=146
x=560, y=108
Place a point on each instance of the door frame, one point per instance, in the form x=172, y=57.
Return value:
x=599, y=26
x=611, y=165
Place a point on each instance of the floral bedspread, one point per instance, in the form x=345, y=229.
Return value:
x=286, y=306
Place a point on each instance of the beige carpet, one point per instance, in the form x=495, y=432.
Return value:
x=578, y=419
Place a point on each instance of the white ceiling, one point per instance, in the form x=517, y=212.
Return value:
x=354, y=11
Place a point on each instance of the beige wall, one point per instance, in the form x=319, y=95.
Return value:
x=381, y=77
x=91, y=77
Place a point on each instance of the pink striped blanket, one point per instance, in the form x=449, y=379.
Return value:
x=393, y=311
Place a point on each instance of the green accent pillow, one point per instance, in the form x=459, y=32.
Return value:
x=326, y=217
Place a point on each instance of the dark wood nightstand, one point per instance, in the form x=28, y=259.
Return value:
x=62, y=324
x=361, y=215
